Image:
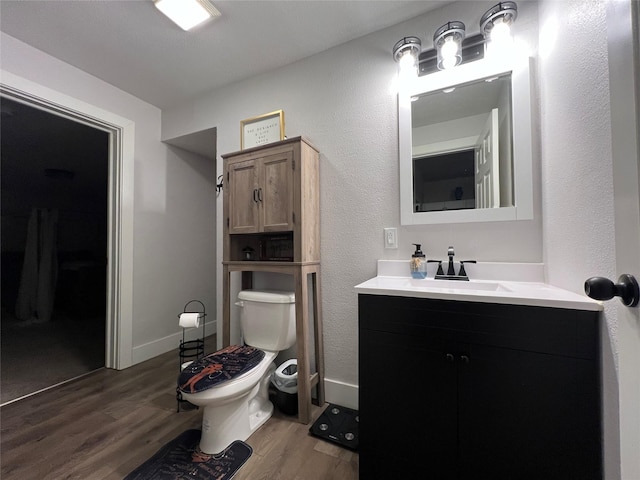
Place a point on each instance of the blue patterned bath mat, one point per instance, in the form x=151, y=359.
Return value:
x=181, y=458
x=219, y=367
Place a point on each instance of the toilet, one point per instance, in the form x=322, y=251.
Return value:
x=232, y=384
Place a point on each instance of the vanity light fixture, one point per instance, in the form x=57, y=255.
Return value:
x=448, y=43
x=453, y=47
x=496, y=22
x=406, y=53
x=187, y=14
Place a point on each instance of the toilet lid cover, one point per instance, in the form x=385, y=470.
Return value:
x=219, y=367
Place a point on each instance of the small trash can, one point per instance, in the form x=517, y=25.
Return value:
x=285, y=379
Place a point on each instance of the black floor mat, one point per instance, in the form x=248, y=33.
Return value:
x=338, y=425
x=181, y=458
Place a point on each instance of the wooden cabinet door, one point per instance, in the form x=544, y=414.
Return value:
x=275, y=193
x=243, y=197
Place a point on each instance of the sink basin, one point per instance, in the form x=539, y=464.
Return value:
x=484, y=286
x=428, y=284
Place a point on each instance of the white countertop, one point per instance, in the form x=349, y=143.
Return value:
x=508, y=291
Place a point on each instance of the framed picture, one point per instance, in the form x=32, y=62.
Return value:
x=262, y=129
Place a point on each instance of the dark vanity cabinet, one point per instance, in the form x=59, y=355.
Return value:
x=465, y=390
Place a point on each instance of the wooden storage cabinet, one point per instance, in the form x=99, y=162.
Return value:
x=479, y=390
x=261, y=193
x=271, y=191
x=271, y=209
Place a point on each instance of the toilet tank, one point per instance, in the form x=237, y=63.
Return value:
x=267, y=319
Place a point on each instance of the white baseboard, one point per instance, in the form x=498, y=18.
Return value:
x=341, y=393
x=152, y=349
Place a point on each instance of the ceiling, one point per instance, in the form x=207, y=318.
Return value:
x=132, y=46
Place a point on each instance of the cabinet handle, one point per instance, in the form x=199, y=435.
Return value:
x=255, y=195
x=260, y=194
x=450, y=358
x=464, y=359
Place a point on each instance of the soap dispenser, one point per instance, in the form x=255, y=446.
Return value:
x=418, y=263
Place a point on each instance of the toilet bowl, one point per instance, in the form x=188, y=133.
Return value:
x=232, y=385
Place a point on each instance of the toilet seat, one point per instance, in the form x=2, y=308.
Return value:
x=219, y=367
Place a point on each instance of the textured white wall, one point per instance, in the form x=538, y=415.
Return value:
x=577, y=190
x=174, y=226
x=343, y=101
x=577, y=187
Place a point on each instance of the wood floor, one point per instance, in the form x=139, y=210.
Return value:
x=104, y=425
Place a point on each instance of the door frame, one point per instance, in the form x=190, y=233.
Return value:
x=119, y=318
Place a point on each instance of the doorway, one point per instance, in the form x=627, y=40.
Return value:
x=55, y=174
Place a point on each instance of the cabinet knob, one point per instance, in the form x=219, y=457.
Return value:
x=450, y=358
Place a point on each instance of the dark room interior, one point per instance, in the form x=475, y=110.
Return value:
x=54, y=193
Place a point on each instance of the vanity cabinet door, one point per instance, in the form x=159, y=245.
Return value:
x=407, y=408
x=527, y=415
x=408, y=394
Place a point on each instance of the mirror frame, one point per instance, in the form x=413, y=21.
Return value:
x=521, y=138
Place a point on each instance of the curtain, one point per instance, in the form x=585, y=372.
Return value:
x=36, y=293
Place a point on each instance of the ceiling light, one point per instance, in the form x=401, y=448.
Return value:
x=187, y=13
x=406, y=52
x=448, y=43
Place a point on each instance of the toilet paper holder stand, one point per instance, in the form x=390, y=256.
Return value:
x=191, y=350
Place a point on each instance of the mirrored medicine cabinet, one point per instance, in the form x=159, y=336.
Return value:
x=465, y=144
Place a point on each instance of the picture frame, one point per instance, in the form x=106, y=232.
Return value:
x=263, y=129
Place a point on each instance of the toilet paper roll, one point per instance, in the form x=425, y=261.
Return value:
x=189, y=320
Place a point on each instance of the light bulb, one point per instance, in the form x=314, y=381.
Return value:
x=495, y=25
x=406, y=52
x=448, y=42
x=449, y=52
x=449, y=48
x=407, y=61
x=501, y=42
x=408, y=66
x=449, y=62
x=501, y=32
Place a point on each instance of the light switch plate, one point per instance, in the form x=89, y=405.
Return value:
x=390, y=238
